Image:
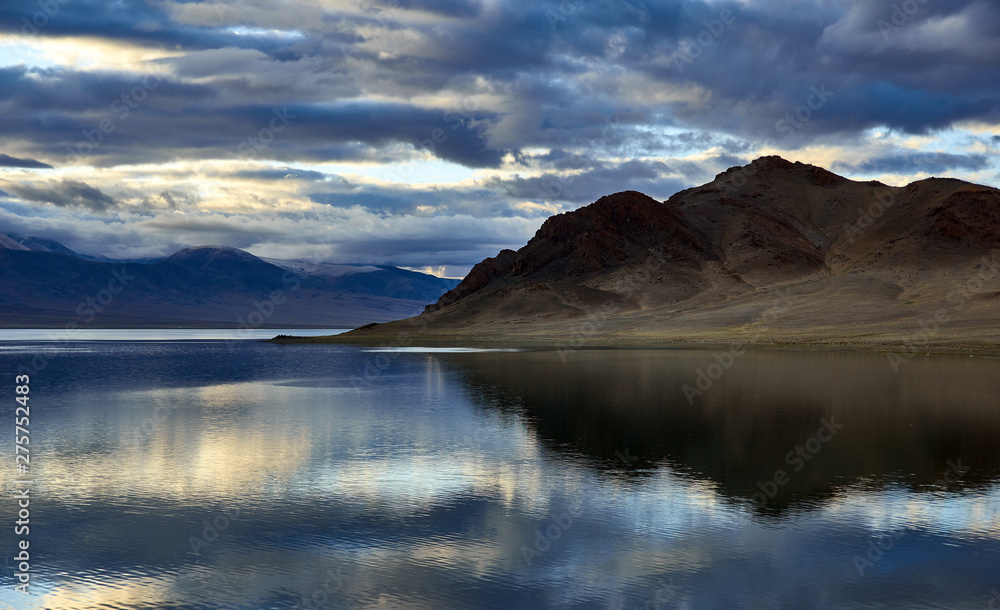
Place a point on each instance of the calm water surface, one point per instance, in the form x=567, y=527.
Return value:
x=8, y=335
x=221, y=474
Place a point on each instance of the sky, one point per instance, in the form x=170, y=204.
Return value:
x=430, y=134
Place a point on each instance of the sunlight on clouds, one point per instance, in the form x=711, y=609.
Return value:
x=828, y=156
x=980, y=128
x=579, y=103
x=13, y=52
x=252, y=15
x=460, y=104
x=428, y=171
x=389, y=45
x=439, y=271
x=90, y=54
x=636, y=89
x=532, y=207
x=266, y=33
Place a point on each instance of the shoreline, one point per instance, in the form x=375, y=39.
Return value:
x=638, y=343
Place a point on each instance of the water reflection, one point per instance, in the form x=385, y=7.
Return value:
x=208, y=475
x=828, y=421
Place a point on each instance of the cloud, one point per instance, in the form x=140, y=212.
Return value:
x=151, y=24
x=395, y=76
x=8, y=161
x=448, y=8
x=594, y=178
x=160, y=119
x=291, y=110
x=65, y=193
x=918, y=163
x=348, y=235
x=287, y=173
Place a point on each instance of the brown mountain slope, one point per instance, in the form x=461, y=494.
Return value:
x=772, y=252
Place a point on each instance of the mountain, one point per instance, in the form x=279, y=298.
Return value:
x=374, y=279
x=225, y=260
x=771, y=252
x=42, y=244
x=9, y=243
x=206, y=286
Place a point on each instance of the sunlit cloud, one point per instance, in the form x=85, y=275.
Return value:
x=373, y=125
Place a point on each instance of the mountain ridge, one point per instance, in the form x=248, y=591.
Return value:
x=868, y=264
x=201, y=287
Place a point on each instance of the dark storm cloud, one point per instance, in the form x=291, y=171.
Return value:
x=824, y=68
x=8, y=161
x=449, y=8
x=66, y=193
x=62, y=94
x=911, y=163
x=401, y=199
x=497, y=197
x=770, y=61
x=136, y=21
x=451, y=249
x=760, y=67
x=155, y=119
x=564, y=91
x=381, y=123
x=591, y=184
x=511, y=38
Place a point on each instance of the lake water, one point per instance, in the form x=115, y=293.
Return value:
x=221, y=474
x=10, y=335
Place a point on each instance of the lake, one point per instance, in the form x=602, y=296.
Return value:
x=192, y=472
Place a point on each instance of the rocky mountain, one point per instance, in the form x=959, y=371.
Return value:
x=202, y=287
x=9, y=243
x=42, y=244
x=770, y=252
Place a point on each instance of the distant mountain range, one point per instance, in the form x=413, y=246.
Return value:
x=13, y=241
x=772, y=252
x=45, y=284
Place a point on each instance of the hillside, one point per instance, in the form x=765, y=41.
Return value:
x=769, y=253
x=201, y=287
